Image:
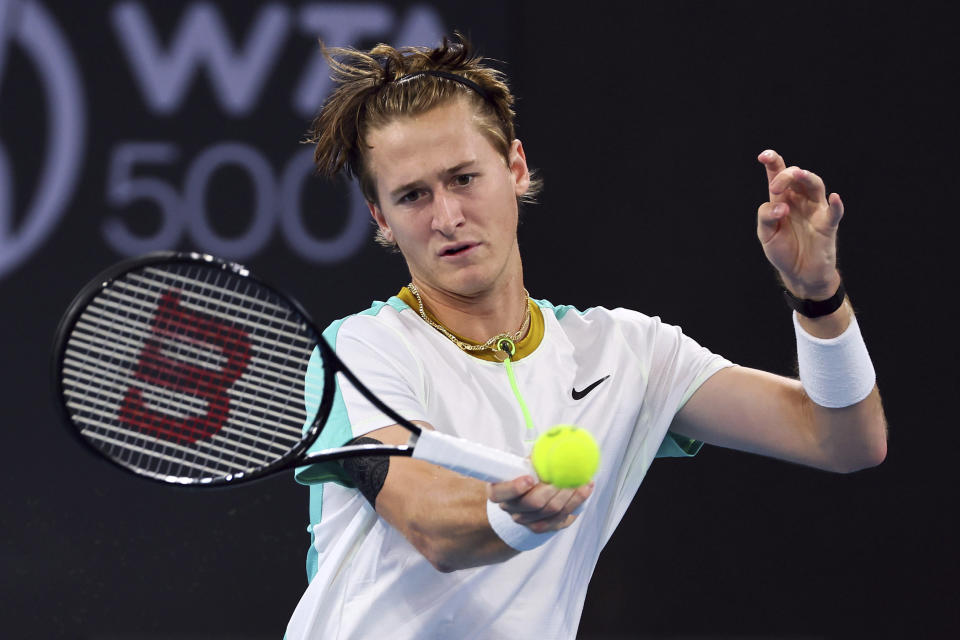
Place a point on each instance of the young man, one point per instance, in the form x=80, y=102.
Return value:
x=404, y=549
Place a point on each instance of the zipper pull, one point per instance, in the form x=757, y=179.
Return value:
x=508, y=349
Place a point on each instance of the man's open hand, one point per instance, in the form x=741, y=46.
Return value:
x=798, y=228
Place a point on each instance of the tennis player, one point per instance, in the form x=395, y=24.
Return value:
x=404, y=549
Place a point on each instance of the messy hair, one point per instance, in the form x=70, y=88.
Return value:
x=368, y=95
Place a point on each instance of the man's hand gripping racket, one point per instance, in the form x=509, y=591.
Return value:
x=186, y=369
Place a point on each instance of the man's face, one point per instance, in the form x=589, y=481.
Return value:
x=448, y=199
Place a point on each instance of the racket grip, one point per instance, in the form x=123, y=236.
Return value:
x=469, y=458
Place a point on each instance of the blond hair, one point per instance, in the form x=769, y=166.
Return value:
x=368, y=96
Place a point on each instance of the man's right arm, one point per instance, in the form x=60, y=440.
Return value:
x=444, y=514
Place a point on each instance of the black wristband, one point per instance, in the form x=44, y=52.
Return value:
x=367, y=472
x=816, y=308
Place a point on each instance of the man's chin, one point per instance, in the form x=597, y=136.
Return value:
x=466, y=283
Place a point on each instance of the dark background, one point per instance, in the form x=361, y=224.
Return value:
x=645, y=121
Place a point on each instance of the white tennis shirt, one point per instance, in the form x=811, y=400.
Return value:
x=367, y=581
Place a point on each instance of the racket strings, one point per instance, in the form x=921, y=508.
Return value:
x=92, y=335
x=150, y=399
x=92, y=360
x=189, y=372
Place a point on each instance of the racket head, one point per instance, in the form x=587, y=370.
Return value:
x=187, y=370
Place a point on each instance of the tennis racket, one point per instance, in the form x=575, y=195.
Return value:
x=187, y=370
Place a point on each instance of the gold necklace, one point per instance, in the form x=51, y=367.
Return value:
x=492, y=344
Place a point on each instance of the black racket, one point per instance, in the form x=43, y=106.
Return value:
x=186, y=369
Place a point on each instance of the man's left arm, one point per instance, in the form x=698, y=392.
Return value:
x=759, y=412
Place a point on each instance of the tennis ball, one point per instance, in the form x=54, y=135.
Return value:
x=565, y=456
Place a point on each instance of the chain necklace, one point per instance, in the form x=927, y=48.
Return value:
x=492, y=344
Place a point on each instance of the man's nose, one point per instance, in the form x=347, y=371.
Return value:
x=447, y=215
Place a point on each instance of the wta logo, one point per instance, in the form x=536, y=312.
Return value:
x=155, y=173
x=28, y=27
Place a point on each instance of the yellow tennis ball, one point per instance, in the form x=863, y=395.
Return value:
x=565, y=456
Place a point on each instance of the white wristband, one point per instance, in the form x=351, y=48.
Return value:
x=835, y=372
x=517, y=536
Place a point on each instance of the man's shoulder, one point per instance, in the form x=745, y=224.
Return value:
x=600, y=328
x=571, y=315
x=380, y=315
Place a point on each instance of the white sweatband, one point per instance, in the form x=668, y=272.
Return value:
x=835, y=372
x=516, y=536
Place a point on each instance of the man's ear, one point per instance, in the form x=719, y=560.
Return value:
x=517, y=164
x=385, y=231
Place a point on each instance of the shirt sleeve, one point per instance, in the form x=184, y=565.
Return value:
x=673, y=366
x=705, y=364
x=678, y=367
x=381, y=359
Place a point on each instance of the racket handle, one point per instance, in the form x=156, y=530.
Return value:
x=469, y=458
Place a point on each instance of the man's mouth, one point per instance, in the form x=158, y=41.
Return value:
x=457, y=249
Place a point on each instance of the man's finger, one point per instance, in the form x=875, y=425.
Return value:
x=527, y=511
x=533, y=500
x=769, y=216
x=510, y=489
x=836, y=208
x=784, y=180
x=802, y=182
x=772, y=162
x=562, y=504
x=552, y=524
x=580, y=496
x=811, y=185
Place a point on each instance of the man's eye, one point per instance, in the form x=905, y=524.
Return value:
x=409, y=197
x=463, y=180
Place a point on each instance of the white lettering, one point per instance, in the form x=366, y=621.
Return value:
x=264, y=201
x=337, y=25
x=164, y=66
x=29, y=27
x=201, y=39
x=123, y=189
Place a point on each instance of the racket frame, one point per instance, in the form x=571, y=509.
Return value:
x=296, y=455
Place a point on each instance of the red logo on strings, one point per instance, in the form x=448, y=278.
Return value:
x=203, y=333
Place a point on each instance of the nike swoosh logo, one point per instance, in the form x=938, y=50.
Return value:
x=578, y=395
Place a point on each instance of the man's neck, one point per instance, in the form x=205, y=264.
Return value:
x=477, y=317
